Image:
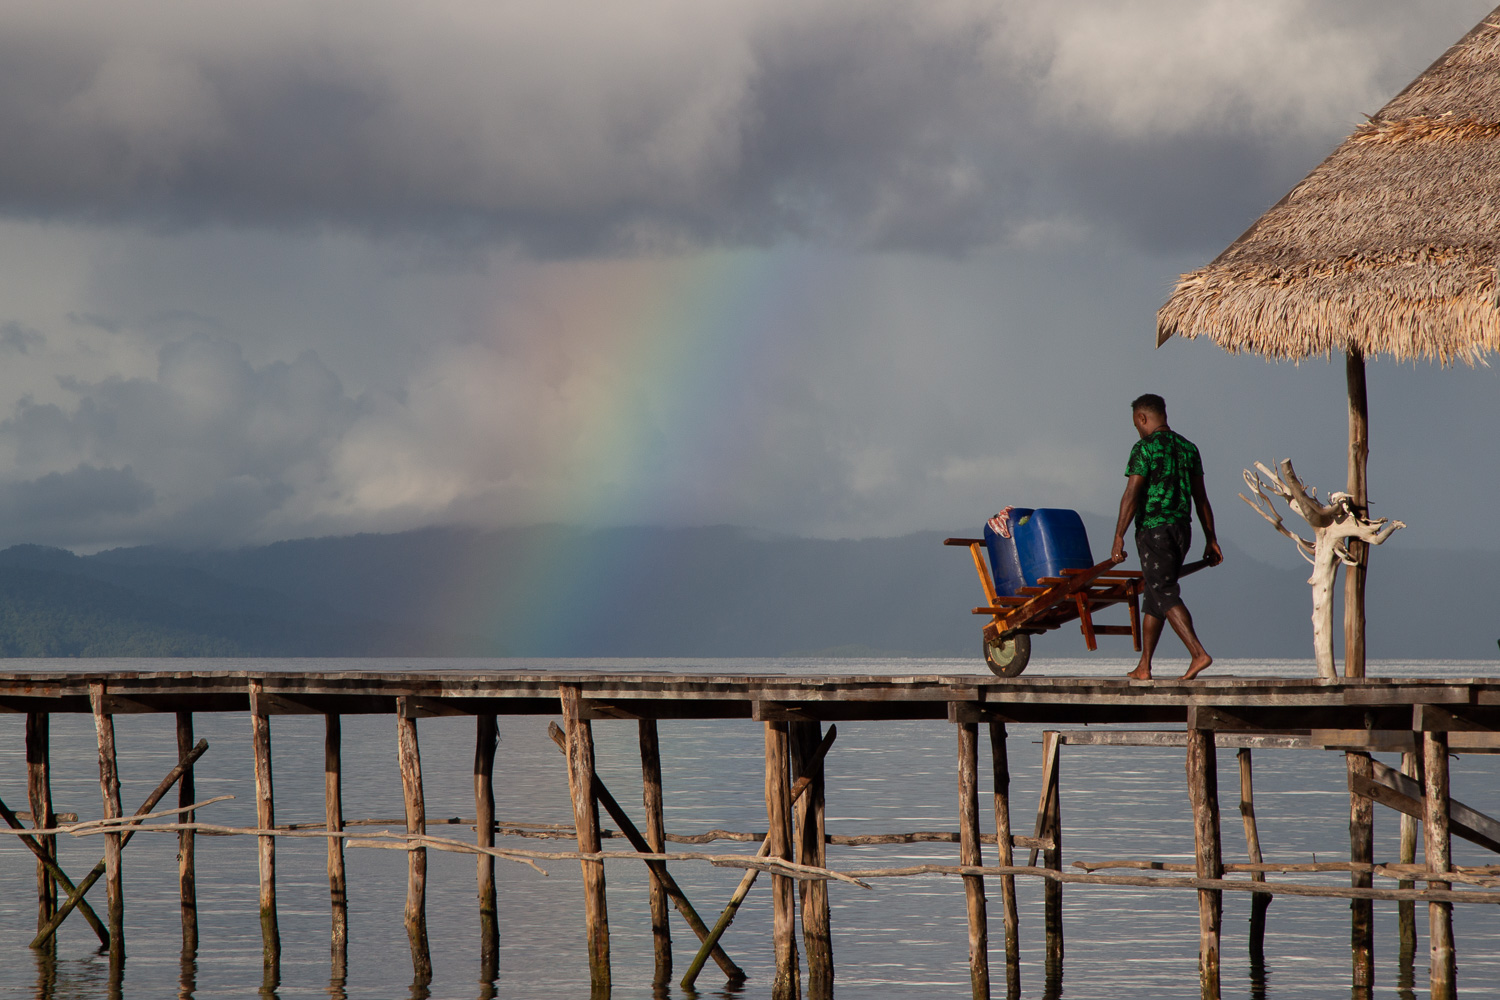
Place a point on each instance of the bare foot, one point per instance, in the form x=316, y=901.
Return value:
x=1141, y=674
x=1199, y=664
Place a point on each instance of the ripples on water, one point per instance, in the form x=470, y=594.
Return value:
x=905, y=939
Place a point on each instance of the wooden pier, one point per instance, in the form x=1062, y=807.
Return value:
x=1423, y=719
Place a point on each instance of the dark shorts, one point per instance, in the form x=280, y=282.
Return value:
x=1162, y=550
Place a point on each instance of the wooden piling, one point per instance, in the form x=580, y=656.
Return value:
x=656, y=839
x=409, y=756
x=39, y=795
x=968, y=854
x=109, y=786
x=788, y=982
x=1361, y=852
x=1000, y=758
x=187, y=871
x=486, y=736
x=1049, y=827
x=817, y=937
x=1203, y=792
x=1441, y=970
x=580, y=736
x=333, y=819
x=1406, y=910
x=265, y=819
x=1260, y=901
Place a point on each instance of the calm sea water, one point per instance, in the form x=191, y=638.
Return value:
x=905, y=939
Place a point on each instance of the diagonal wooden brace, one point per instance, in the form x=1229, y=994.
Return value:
x=57, y=873
x=75, y=895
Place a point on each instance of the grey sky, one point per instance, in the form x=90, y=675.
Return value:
x=843, y=269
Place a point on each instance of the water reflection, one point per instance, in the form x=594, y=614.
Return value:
x=187, y=975
x=46, y=974
x=1258, y=975
x=270, y=981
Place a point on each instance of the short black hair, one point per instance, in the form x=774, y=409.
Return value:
x=1150, y=402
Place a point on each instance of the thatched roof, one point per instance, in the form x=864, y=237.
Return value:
x=1389, y=247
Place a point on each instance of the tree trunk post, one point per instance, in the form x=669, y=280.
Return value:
x=187, y=867
x=580, y=736
x=333, y=812
x=265, y=819
x=1049, y=825
x=1203, y=792
x=1439, y=859
x=1000, y=757
x=968, y=854
x=39, y=796
x=1361, y=851
x=1260, y=901
x=1406, y=910
x=788, y=982
x=1359, y=459
x=409, y=756
x=486, y=736
x=109, y=787
x=817, y=938
x=656, y=839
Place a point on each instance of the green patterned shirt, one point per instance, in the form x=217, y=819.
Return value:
x=1168, y=461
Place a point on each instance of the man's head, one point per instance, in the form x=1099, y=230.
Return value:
x=1148, y=413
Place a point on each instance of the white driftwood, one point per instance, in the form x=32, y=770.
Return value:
x=1333, y=524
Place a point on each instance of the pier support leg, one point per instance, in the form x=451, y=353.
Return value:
x=486, y=735
x=409, y=755
x=817, y=936
x=39, y=794
x=1406, y=910
x=656, y=839
x=333, y=819
x=1260, y=901
x=1203, y=792
x=187, y=868
x=1000, y=758
x=1439, y=859
x=580, y=737
x=788, y=982
x=1361, y=851
x=265, y=818
x=968, y=854
x=109, y=786
x=1049, y=825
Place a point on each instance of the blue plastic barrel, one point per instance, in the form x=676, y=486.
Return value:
x=1005, y=562
x=1049, y=541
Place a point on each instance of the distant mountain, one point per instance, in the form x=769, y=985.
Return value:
x=689, y=592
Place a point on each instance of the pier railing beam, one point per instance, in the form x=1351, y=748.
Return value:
x=265, y=819
x=1442, y=971
x=409, y=756
x=788, y=982
x=109, y=786
x=1361, y=851
x=333, y=819
x=486, y=736
x=1000, y=758
x=968, y=854
x=580, y=739
x=39, y=795
x=187, y=869
x=1203, y=792
x=817, y=938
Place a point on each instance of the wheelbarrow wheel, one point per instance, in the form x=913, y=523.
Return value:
x=1009, y=655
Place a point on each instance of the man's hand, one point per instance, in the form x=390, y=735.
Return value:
x=1213, y=553
x=1118, y=552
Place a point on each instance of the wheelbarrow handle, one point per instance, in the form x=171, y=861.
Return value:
x=1193, y=567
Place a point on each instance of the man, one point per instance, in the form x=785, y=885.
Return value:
x=1165, y=482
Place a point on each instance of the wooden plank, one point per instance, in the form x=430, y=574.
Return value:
x=1203, y=793
x=787, y=984
x=265, y=818
x=187, y=866
x=486, y=737
x=1004, y=843
x=976, y=552
x=968, y=855
x=1361, y=853
x=409, y=758
x=333, y=822
x=580, y=738
x=109, y=787
x=1086, y=621
x=39, y=796
x=1441, y=963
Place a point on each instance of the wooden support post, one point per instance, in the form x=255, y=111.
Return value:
x=333, y=819
x=486, y=735
x=1049, y=825
x=817, y=938
x=1406, y=910
x=1260, y=901
x=580, y=737
x=1359, y=460
x=656, y=839
x=265, y=819
x=1442, y=970
x=1000, y=757
x=788, y=982
x=968, y=854
x=39, y=795
x=409, y=756
x=109, y=786
x=1361, y=851
x=187, y=870
x=1203, y=792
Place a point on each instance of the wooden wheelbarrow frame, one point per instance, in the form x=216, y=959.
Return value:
x=1054, y=602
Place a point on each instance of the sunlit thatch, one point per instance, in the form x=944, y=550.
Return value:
x=1389, y=247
